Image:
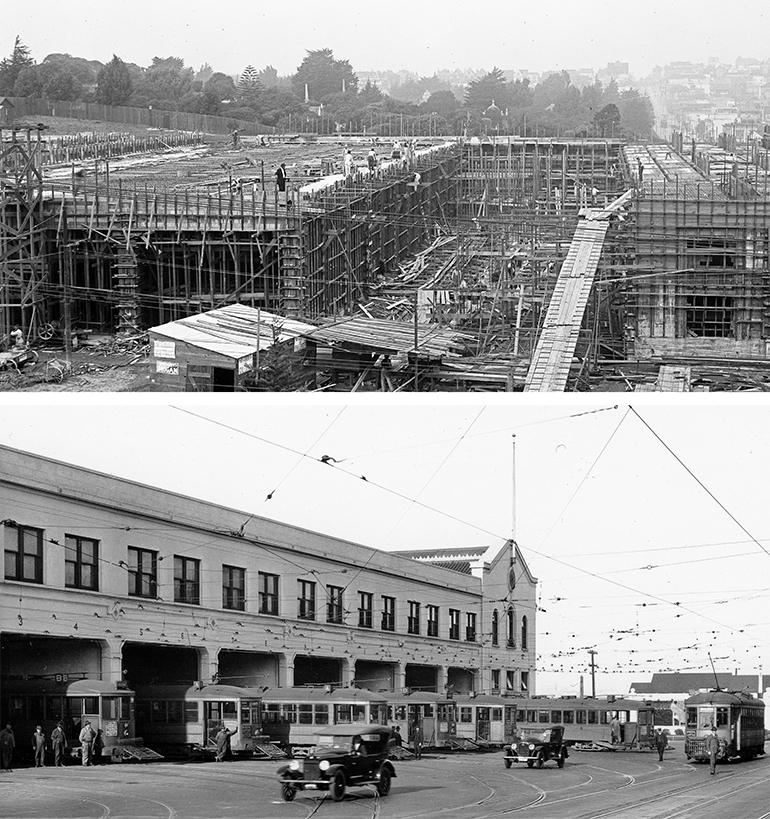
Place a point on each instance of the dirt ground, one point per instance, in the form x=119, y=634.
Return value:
x=90, y=370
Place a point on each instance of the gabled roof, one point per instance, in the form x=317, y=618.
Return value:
x=234, y=331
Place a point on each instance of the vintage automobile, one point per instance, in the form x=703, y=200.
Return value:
x=538, y=749
x=344, y=756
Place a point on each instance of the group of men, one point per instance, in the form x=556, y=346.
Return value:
x=89, y=745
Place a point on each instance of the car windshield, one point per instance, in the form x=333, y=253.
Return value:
x=337, y=743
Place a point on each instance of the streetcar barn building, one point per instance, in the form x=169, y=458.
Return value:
x=105, y=578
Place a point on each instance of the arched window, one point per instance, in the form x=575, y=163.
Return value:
x=524, y=633
x=495, y=627
x=511, y=637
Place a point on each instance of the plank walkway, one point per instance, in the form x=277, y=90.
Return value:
x=551, y=361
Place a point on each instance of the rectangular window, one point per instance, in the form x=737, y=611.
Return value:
x=268, y=594
x=470, y=627
x=466, y=714
x=593, y=717
x=187, y=580
x=321, y=714
x=24, y=554
x=413, y=623
x=542, y=716
x=569, y=717
x=580, y=717
x=306, y=713
x=524, y=681
x=365, y=605
x=432, y=621
x=555, y=716
x=710, y=316
x=81, y=556
x=233, y=588
x=496, y=679
x=692, y=717
x=334, y=604
x=388, y=613
x=454, y=624
x=306, y=600
x=531, y=716
x=722, y=717
x=142, y=572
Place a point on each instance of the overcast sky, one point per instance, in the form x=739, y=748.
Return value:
x=422, y=37
x=635, y=558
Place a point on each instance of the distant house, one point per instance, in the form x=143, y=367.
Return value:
x=6, y=110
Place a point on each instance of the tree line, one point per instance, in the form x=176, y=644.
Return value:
x=327, y=88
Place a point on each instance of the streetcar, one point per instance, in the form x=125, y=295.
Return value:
x=183, y=720
x=738, y=717
x=291, y=717
x=436, y=715
x=486, y=718
x=587, y=720
x=109, y=707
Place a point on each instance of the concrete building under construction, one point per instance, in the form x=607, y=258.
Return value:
x=564, y=264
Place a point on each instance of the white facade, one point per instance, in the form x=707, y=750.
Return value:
x=96, y=565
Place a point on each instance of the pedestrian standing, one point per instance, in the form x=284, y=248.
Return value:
x=347, y=163
x=417, y=738
x=712, y=747
x=371, y=160
x=86, y=739
x=223, y=743
x=38, y=746
x=661, y=743
x=7, y=744
x=280, y=177
x=58, y=743
x=615, y=729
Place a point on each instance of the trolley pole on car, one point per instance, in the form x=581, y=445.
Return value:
x=593, y=672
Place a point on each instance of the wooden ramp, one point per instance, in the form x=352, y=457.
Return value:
x=551, y=361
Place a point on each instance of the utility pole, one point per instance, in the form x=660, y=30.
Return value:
x=593, y=673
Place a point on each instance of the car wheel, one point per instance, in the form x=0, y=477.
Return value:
x=337, y=786
x=560, y=760
x=530, y=763
x=383, y=785
x=540, y=760
x=289, y=792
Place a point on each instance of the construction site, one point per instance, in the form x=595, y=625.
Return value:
x=494, y=264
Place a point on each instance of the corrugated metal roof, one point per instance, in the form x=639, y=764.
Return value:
x=392, y=337
x=234, y=331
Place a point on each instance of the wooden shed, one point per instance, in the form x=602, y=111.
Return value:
x=222, y=350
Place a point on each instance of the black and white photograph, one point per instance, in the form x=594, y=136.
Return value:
x=285, y=533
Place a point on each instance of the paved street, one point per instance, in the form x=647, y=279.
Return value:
x=468, y=786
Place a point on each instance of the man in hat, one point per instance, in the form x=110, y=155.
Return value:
x=58, y=743
x=7, y=744
x=712, y=748
x=661, y=742
x=87, y=736
x=38, y=745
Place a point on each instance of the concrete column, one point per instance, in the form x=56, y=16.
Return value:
x=111, y=660
x=441, y=680
x=285, y=670
x=208, y=665
x=399, y=677
x=347, y=672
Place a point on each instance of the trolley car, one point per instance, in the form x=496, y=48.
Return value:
x=436, y=715
x=109, y=707
x=738, y=717
x=587, y=720
x=486, y=718
x=184, y=720
x=292, y=716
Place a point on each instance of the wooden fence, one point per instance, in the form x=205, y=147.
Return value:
x=27, y=107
